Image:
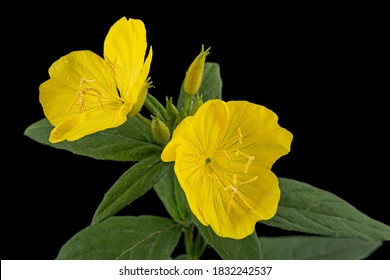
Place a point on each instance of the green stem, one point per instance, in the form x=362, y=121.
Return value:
x=144, y=120
x=189, y=239
x=200, y=245
x=155, y=107
x=186, y=108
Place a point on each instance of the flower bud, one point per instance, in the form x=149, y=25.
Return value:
x=171, y=108
x=197, y=103
x=194, y=73
x=172, y=112
x=160, y=130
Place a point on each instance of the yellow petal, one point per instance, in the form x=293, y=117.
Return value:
x=65, y=129
x=254, y=130
x=124, y=49
x=140, y=99
x=249, y=197
x=195, y=130
x=81, y=96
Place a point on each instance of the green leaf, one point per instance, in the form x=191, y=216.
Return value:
x=304, y=208
x=172, y=196
x=132, y=141
x=247, y=248
x=211, y=86
x=135, y=182
x=124, y=238
x=316, y=248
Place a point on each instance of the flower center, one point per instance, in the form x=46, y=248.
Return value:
x=89, y=97
x=229, y=169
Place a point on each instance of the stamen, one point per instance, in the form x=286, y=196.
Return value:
x=209, y=171
x=198, y=158
x=117, y=69
x=240, y=136
x=248, y=181
x=111, y=63
x=235, y=155
x=85, y=81
x=83, y=92
x=230, y=182
x=249, y=162
x=233, y=190
x=212, y=176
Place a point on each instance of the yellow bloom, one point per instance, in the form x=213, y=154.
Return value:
x=223, y=157
x=81, y=97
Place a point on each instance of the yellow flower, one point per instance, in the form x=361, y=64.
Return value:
x=223, y=157
x=81, y=97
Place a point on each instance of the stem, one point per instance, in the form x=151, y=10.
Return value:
x=189, y=239
x=187, y=103
x=200, y=245
x=144, y=120
x=155, y=107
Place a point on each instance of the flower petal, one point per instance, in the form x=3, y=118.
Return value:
x=249, y=197
x=81, y=96
x=195, y=130
x=254, y=130
x=125, y=48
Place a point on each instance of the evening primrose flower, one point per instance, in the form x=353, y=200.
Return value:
x=81, y=97
x=223, y=157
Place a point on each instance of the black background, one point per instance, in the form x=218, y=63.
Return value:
x=321, y=69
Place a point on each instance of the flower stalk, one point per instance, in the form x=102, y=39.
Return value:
x=155, y=107
x=189, y=239
x=144, y=120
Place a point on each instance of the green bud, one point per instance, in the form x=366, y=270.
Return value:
x=160, y=130
x=172, y=111
x=198, y=101
x=173, y=115
x=194, y=73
